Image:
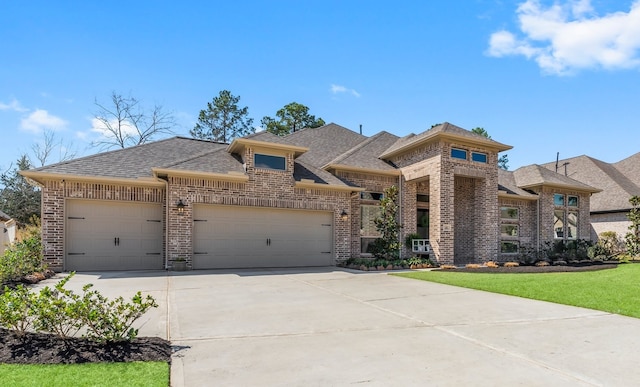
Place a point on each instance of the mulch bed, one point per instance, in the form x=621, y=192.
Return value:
x=534, y=269
x=40, y=348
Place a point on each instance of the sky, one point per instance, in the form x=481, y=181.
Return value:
x=542, y=76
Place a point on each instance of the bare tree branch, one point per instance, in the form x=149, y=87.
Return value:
x=42, y=151
x=126, y=123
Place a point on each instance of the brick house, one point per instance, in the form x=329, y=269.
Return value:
x=306, y=199
x=618, y=181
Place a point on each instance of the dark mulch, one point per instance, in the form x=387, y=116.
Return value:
x=535, y=269
x=40, y=348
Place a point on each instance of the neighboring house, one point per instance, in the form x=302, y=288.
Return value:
x=307, y=199
x=8, y=235
x=618, y=183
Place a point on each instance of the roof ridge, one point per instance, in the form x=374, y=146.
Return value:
x=356, y=148
x=193, y=157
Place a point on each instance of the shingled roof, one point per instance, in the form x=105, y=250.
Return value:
x=507, y=185
x=365, y=154
x=135, y=162
x=618, y=181
x=537, y=175
x=325, y=143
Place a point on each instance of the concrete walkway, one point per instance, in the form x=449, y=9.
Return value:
x=334, y=327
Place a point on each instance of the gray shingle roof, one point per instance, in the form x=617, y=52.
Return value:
x=325, y=143
x=216, y=161
x=137, y=161
x=536, y=175
x=618, y=181
x=507, y=183
x=365, y=154
x=302, y=170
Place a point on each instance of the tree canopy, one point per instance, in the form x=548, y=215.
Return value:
x=18, y=198
x=124, y=122
x=223, y=120
x=291, y=118
x=503, y=161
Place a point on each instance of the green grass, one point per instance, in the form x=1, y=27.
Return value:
x=87, y=374
x=614, y=290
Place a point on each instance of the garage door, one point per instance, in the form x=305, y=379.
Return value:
x=244, y=237
x=113, y=236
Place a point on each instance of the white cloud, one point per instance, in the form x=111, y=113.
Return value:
x=41, y=119
x=565, y=38
x=101, y=128
x=335, y=89
x=13, y=105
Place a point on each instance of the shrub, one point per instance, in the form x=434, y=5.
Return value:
x=56, y=310
x=16, y=306
x=22, y=258
x=511, y=264
x=542, y=263
x=111, y=320
x=447, y=267
x=492, y=264
x=64, y=313
x=388, y=246
x=472, y=266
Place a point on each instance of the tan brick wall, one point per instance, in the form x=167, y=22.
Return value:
x=373, y=183
x=54, y=196
x=265, y=188
x=463, y=205
x=617, y=222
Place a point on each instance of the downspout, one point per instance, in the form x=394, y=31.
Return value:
x=538, y=229
x=166, y=221
x=400, y=245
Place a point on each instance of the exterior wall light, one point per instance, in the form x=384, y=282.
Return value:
x=180, y=206
x=344, y=215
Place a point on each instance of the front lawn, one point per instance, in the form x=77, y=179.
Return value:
x=87, y=374
x=614, y=290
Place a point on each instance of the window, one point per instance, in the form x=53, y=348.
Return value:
x=458, y=154
x=270, y=162
x=508, y=213
x=558, y=224
x=572, y=225
x=422, y=198
x=371, y=195
x=558, y=199
x=368, y=231
x=509, y=230
x=479, y=157
x=509, y=247
x=572, y=201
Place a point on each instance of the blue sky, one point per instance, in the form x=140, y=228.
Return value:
x=542, y=76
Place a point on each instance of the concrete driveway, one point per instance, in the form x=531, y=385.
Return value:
x=334, y=327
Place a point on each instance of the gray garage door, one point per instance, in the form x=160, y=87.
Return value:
x=113, y=236
x=244, y=237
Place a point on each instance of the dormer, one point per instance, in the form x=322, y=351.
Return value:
x=266, y=152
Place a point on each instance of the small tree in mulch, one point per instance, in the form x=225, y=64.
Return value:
x=632, y=239
x=388, y=245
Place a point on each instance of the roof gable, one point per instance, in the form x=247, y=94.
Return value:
x=443, y=131
x=536, y=175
